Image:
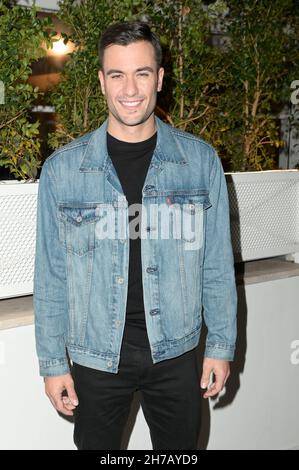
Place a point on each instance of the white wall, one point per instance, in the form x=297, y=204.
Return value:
x=47, y=4
x=264, y=389
x=27, y=419
x=262, y=396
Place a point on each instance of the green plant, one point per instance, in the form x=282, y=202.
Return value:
x=262, y=54
x=229, y=95
x=78, y=100
x=22, y=35
x=197, y=71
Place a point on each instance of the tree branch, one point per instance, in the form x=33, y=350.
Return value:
x=13, y=119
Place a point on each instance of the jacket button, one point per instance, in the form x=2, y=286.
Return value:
x=120, y=280
x=117, y=323
x=79, y=218
x=109, y=363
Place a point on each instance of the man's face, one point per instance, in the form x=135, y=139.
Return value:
x=130, y=81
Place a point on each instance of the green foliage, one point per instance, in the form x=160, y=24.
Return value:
x=21, y=37
x=263, y=56
x=196, y=71
x=229, y=94
x=77, y=98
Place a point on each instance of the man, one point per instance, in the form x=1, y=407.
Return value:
x=127, y=308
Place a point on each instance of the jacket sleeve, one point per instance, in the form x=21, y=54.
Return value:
x=219, y=286
x=49, y=292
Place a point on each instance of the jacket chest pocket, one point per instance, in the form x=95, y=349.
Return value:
x=188, y=211
x=77, y=227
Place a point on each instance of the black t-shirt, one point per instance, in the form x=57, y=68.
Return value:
x=131, y=161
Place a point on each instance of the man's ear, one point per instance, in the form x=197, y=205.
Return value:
x=101, y=78
x=160, y=78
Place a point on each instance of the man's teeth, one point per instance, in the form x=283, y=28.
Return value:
x=130, y=103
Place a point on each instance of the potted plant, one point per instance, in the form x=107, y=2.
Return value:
x=22, y=39
x=232, y=67
x=262, y=52
x=228, y=88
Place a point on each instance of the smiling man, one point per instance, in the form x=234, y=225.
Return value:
x=130, y=80
x=127, y=308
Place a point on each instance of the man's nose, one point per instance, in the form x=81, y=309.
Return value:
x=130, y=86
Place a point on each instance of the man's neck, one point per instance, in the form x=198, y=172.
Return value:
x=131, y=133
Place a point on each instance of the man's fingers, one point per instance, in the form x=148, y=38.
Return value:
x=61, y=393
x=59, y=405
x=205, y=378
x=221, y=371
x=70, y=401
x=72, y=394
x=216, y=386
x=213, y=390
x=67, y=403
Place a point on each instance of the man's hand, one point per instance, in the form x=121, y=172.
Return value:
x=221, y=370
x=55, y=386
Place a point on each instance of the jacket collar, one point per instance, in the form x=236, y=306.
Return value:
x=96, y=156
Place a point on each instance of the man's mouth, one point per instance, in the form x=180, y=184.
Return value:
x=131, y=104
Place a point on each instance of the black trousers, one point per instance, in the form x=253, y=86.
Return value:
x=170, y=397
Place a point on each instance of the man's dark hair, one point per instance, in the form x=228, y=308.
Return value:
x=126, y=33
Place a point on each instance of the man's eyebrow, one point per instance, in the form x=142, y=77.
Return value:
x=113, y=71
x=148, y=69
x=140, y=69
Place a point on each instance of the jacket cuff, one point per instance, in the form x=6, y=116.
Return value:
x=53, y=367
x=220, y=351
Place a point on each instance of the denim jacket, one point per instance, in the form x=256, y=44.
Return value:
x=81, y=267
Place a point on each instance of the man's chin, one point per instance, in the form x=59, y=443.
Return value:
x=135, y=121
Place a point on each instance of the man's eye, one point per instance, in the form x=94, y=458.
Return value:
x=116, y=76
x=143, y=74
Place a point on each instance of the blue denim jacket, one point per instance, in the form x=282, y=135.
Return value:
x=81, y=268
